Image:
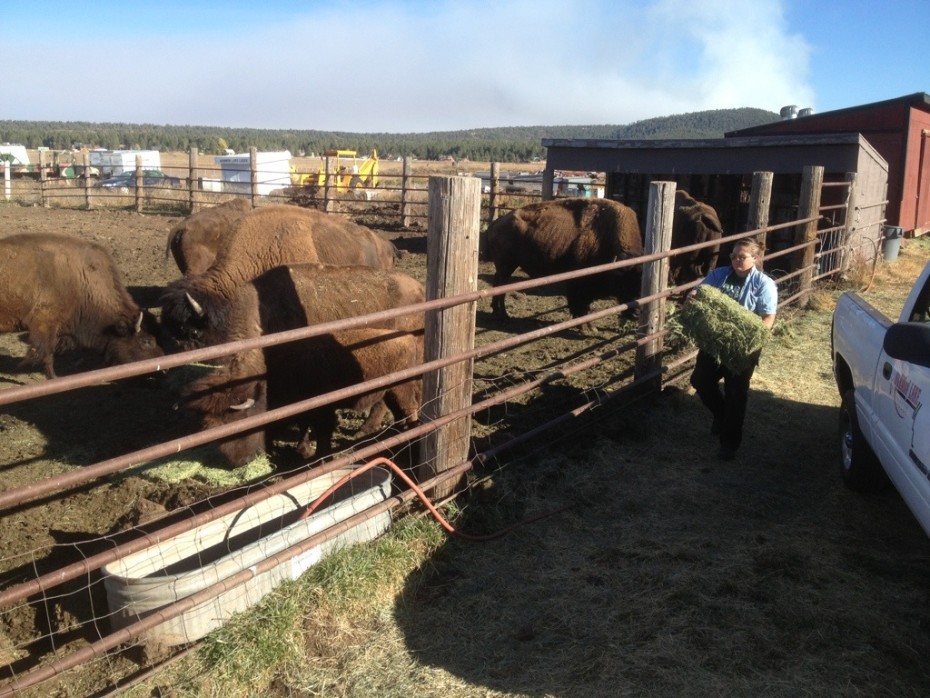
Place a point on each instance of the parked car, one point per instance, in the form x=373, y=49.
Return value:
x=150, y=178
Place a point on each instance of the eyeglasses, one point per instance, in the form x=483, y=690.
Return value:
x=742, y=257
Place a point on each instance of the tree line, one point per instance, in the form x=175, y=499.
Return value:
x=505, y=144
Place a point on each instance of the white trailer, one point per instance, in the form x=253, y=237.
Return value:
x=272, y=170
x=114, y=162
x=15, y=154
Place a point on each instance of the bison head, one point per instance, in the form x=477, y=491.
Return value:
x=135, y=339
x=229, y=394
x=191, y=317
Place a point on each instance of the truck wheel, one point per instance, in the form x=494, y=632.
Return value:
x=859, y=466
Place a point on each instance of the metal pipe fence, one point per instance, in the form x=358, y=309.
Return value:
x=672, y=364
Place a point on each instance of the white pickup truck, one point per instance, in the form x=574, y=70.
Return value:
x=882, y=370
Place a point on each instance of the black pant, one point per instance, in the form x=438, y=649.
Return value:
x=729, y=405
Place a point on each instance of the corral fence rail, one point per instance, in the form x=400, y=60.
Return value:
x=642, y=360
x=399, y=199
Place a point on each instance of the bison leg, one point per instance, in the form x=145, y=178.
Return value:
x=502, y=275
x=322, y=424
x=36, y=358
x=404, y=401
x=374, y=420
x=42, y=344
x=579, y=298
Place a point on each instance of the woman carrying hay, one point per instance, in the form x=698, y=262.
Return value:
x=731, y=351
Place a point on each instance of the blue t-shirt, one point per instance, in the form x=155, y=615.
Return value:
x=759, y=293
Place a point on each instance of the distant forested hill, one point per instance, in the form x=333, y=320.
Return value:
x=508, y=144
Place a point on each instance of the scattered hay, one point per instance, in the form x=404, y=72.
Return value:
x=256, y=468
x=204, y=465
x=723, y=328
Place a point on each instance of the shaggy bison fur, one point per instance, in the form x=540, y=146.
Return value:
x=194, y=241
x=257, y=380
x=562, y=235
x=694, y=222
x=296, y=296
x=67, y=293
x=266, y=238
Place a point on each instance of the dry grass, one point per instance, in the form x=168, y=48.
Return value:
x=660, y=572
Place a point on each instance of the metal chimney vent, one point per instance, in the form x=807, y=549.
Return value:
x=789, y=112
x=806, y=111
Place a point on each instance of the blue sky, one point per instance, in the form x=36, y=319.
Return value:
x=416, y=65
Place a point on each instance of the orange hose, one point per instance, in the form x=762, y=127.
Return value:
x=314, y=505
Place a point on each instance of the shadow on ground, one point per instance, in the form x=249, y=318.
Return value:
x=668, y=572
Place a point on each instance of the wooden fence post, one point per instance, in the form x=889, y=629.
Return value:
x=7, y=183
x=809, y=205
x=86, y=164
x=253, y=174
x=548, y=179
x=43, y=179
x=192, y=182
x=495, y=179
x=760, y=202
x=140, y=189
x=658, y=238
x=405, y=194
x=452, y=268
x=851, y=224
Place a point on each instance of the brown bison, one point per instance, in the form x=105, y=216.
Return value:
x=67, y=293
x=194, y=241
x=309, y=293
x=564, y=235
x=297, y=296
x=257, y=380
x=693, y=222
x=261, y=240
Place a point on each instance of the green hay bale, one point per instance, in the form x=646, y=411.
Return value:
x=721, y=327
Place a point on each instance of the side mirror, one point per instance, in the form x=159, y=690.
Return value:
x=910, y=342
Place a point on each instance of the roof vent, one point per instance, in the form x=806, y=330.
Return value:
x=806, y=111
x=789, y=112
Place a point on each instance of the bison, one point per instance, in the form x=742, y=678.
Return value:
x=261, y=240
x=194, y=241
x=564, y=235
x=694, y=222
x=257, y=380
x=67, y=293
x=309, y=293
x=296, y=296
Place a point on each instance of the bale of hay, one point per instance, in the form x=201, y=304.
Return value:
x=721, y=327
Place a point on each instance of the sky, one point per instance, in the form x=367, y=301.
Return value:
x=415, y=66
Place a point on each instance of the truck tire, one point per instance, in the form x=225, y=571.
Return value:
x=859, y=467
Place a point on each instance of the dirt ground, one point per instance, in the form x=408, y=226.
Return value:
x=57, y=434
x=765, y=572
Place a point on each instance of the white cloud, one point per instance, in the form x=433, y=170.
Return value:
x=434, y=66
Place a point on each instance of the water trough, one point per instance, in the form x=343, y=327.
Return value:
x=160, y=575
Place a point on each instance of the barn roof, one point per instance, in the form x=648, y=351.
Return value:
x=917, y=100
x=838, y=152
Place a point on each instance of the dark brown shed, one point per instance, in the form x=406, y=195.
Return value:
x=899, y=129
x=719, y=171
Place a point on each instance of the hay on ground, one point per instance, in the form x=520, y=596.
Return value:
x=203, y=465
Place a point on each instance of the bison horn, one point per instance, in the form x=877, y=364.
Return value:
x=243, y=405
x=195, y=306
x=138, y=326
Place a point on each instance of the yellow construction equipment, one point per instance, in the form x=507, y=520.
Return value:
x=346, y=176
